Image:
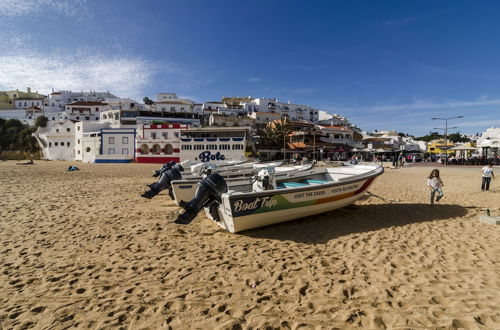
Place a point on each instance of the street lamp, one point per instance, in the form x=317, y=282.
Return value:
x=446, y=134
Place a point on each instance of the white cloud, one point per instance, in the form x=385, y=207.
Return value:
x=78, y=70
x=254, y=79
x=39, y=7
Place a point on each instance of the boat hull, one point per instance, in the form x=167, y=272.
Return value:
x=240, y=213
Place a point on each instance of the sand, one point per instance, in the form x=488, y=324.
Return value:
x=83, y=249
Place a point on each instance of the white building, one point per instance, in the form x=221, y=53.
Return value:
x=87, y=140
x=295, y=112
x=98, y=143
x=159, y=143
x=264, y=118
x=26, y=116
x=26, y=103
x=57, y=141
x=489, y=142
x=214, y=144
x=337, y=135
x=57, y=101
x=84, y=111
x=217, y=119
x=170, y=103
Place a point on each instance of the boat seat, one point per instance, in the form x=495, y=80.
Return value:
x=314, y=181
x=283, y=185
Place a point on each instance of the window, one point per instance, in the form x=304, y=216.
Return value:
x=67, y=144
x=172, y=109
x=78, y=151
x=78, y=141
x=111, y=151
x=176, y=134
x=87, y=118
x=165, y=135
x=124, y=151
x=97, y=109
x=56, y=144
x=87, y=149
x=144, y=149
x=50, y=144
x=78, y=127
x=96, y=118
x=77, y=118
x=57, y=130
x=68, y=129
x=104, y=117
x=111, y=140
x=124, y=139
x=168, y=149
x=153, y=135
x=53, y=118
x=156, y=149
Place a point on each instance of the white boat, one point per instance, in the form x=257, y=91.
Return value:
x=268, y=201
x=185, y=189
x=171, y=171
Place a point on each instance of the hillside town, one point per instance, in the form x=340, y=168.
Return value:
x=99, y=127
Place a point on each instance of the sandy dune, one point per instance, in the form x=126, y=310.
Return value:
x=83, y=249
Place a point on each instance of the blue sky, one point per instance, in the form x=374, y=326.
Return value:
x=383, y=64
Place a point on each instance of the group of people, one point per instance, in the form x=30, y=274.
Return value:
x=436, y=184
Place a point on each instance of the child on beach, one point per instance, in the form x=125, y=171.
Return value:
x=487, y=175
x=435, y=184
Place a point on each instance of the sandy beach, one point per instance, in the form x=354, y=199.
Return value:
x=83, y=249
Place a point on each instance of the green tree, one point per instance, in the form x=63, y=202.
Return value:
x=267, y=136
x=147, y=101
x=457, y=137
x=41, y=121
x=15, y=136
x=429, y=137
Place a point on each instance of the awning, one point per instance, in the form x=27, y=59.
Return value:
x=464, y=148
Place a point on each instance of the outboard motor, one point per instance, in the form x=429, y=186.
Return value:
x=174, y=173
x=165, y=167
x=208, y=194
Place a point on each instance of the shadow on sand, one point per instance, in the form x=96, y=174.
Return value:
x=355, y=219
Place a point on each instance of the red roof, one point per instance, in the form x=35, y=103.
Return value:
x=34, y=108
x=87, y=103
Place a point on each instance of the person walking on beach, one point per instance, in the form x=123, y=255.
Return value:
x=435, y=184
x=487, y=175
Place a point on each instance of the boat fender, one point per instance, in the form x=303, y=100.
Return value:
x=208, y=194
